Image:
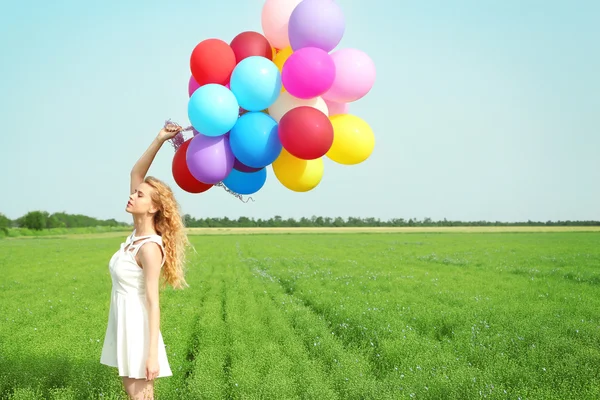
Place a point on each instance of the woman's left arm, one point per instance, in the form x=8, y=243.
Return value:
x=151, y=258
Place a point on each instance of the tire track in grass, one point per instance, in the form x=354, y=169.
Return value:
x=350, y=332
x=348, y=370
x=396, y=365
x=277, y=355
x=226, y=340
x=310, y=378
x=187, y=312
x=207, y=378
x=402, y=360
x=259, y=369
x=193, y=346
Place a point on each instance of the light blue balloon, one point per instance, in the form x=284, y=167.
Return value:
x=245, y=182
x=254, y=140
x=213, y=110
x=256, y=83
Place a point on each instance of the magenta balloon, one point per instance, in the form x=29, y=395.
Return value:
x=192, y=86
x=354, y=76
x=316, y=23
x=209, y=158
x=308, y=72
x=336, y=108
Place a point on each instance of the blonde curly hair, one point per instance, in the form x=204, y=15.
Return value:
x=169, y=225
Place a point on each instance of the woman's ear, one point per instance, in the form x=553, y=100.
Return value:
x=153, y=209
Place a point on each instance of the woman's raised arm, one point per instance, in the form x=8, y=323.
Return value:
x=141, y=167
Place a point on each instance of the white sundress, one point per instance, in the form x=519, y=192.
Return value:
x=128, y=334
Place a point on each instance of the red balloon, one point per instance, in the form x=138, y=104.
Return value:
x=182, y=175
x=212, y=61
x=306, y=133
x=248, y=44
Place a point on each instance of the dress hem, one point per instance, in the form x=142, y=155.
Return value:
x=134, y=377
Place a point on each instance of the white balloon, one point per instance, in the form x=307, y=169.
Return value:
x=285, y=102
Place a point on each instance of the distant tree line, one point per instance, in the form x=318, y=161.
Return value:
x=38, y=220
x=314, y=221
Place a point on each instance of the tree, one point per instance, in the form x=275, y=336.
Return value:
x=188, y=220
x=54, y=222
x=339, y=222
x=4, y=223
x=305, y=222
x=36, y=220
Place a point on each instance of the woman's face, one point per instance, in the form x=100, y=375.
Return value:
x=140, y=201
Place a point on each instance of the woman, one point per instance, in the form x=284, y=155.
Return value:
x=133, y=341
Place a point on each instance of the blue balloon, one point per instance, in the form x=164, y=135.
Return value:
x=254, y=140
x=245, y=182
x=256, y=83
x=213, y=110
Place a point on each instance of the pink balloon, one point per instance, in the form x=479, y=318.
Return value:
x=308, y=72
x=275, y=18
x=336, y=108
x=354, y=76
x=192, y=86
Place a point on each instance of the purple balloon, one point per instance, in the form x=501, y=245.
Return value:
x=237, y=165
x=209, y=158
x=192, y=86
x=316, y=23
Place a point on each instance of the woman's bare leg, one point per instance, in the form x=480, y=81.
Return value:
x=139, y=389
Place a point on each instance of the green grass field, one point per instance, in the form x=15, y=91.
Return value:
x=320, y=316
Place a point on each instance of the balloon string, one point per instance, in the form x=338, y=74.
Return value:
x=234, y=194
x=178, y=140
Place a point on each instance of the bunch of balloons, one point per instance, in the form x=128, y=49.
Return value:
x=278, y=99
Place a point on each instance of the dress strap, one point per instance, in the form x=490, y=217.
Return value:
x=135, y=238
x=135, y=247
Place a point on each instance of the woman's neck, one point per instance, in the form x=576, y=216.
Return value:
x=143, y=225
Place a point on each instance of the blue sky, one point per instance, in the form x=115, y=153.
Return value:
x=482, y=110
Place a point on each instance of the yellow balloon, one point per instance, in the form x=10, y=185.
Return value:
x=282, y=56
x=296, y=174
x=353, y=139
